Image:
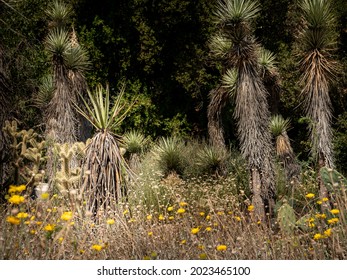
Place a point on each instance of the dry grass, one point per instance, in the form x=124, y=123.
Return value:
x=171, y=218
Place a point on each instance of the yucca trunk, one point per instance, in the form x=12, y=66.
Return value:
x=218, y=99
x=253, y=118
x=102, y=181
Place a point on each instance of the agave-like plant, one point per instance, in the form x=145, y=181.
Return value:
x=104, y=167
x=169, y=154
x=135, y=143
x=317, y=41
x=212, y=159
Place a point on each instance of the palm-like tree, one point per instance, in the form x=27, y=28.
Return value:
x=317, y=41
x=69, y=61
x=234, y=18
x=104, y=167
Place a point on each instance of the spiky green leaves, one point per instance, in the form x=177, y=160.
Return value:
x=45, y=93
x=73, y=56
x=229, y=81
x=169, y=155
x=57, y=42
x=135, y=142
x=279, y=125
x=231, y=11
x=319, y=18
x=101, y=114
x=59, y=13
x=219, y=46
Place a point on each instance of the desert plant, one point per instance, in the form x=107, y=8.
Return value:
x=279, y=127
x=234, y=18
x=169, y=155
x=104, y=168
x=212, y=160
x=317, y=41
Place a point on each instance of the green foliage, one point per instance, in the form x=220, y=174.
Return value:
x=101, y=114
x=28, y=154
x=169, y=153
x=286, y=218
x=212, y=159
x=333, y=180
x=135, y=142
x=279, y=125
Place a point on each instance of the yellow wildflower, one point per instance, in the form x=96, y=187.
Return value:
x=201, y=247
x=250, y=208
x=220, y=213
x=195, y=230
x=208, y=228
x=221, y=248
x=333, y=221
x=181, y=210
x=33, y=231
x=110, y=221
x=146, y=258
x=149, y=217
x=334, y=211
x=150, y=233
x=60, y=239
x=327, y=232
x=170, y=208
x=171, y=218
x=317, y=236
x=237, y=218
x=208, y=217
x=66, y=216
x=44, y=195
x=319, y=202
x=154, y=255
x=182, y=204
x=13, y=220
x=161, y=217
x=49, y=227
x=202, y=214
x=97, y=247
x=38, y=223
x=15, y=189
x=310, y=195
x=16, y=199
x=325, y=199
x=321, y=216
x=203, y=256
x=22, y=215
x=126, y=212
x=72, y=223
x=183, y=241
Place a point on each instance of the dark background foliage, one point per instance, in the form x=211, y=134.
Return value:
x=159, y=49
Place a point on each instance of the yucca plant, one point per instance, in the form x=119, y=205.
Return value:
x=317, y=42
x=104, y=167
x=135, y=143
x=169, y=155
x=212, y=160
x=279, y=127
x=234, y=19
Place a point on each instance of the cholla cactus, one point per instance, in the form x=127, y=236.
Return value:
x=68, y=176
x=28, y=154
